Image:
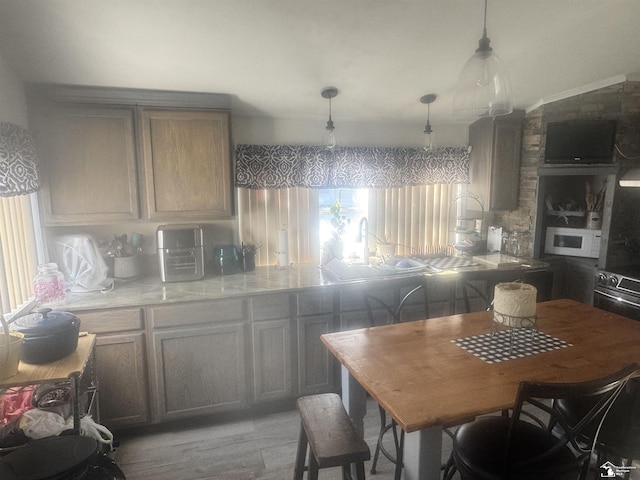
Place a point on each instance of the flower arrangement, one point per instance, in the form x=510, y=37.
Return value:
x=338, y=222
x=333, y=248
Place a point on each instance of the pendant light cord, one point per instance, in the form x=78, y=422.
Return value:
x=484, y=28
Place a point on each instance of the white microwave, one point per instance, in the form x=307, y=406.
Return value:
x=577, y=242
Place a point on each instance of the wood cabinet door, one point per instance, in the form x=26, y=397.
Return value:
x=121, y=372
x=495, y=160
x=579, y=281
x=199, y=370
x=187, y=164
x=505, y=169
x=315, y=363
x=271, y=360
x=89, y=165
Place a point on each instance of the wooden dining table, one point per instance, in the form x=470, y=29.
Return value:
x=426, y=381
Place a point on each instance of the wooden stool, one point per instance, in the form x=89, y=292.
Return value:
x=328, y=430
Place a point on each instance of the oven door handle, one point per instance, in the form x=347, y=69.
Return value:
x=617, y=299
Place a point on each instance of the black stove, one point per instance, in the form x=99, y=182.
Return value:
x=618, y=290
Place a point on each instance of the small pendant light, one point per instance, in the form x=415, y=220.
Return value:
x=483, y=88
x=330, y=135
x=428, y=99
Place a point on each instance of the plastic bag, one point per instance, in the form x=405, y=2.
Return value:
x=40, y=424
x=81, y=262
x=89, y=428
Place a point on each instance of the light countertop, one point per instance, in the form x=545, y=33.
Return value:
x=151, y=291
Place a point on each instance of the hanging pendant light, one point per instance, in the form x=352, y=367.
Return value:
x=428, y=99
x=483, y=88
x=329, y=135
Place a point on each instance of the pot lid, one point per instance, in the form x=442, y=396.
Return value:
x=45, y=321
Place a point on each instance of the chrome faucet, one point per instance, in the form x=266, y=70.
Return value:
x=364, y=238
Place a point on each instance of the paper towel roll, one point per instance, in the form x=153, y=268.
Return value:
x=515, y=300
x=283, y=248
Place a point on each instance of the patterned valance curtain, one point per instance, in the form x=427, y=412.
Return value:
x=18, y=161
x=284, y=166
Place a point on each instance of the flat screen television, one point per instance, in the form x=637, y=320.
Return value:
x=580, y=142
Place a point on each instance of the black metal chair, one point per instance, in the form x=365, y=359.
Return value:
x=468, y=287
x=501, y=447
x=394, y=315
x=618, y=440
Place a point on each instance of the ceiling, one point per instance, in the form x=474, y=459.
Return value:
x=275, y=56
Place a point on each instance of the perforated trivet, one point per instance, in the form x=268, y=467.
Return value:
x=494, y=347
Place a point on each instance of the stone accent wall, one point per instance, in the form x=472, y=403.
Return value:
x=620, y=102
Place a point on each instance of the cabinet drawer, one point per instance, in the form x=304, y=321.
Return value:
x=197, y=313
x=314, y=303
x=112, y=320
x=353, y=299
x=270, y=306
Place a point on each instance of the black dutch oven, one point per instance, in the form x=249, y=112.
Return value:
x=48, y=335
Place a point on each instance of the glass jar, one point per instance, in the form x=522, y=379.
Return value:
x=518, y=244
x=48, y=284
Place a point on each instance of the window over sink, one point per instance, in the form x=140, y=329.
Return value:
x=411, y=219
x=350, y=205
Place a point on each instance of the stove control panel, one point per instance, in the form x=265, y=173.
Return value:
x=601, y=278
x=618, y=282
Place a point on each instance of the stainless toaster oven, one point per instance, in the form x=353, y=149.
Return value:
x=180, y=252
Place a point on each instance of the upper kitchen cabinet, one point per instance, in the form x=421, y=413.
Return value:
x=495, y=160
x=88, y=164
x=186, y=164
x=111, y=155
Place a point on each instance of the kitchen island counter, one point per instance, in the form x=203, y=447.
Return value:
x=151, y=291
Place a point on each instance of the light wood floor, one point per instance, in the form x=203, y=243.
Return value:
x=258, y=448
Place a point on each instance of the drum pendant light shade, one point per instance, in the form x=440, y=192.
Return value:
x=483, y=88
x=18, y=161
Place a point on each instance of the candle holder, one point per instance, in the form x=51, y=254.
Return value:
x=513, y=324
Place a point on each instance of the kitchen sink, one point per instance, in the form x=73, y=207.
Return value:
x=397, y=266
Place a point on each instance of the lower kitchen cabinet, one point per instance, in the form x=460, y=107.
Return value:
x=315, y=363
x=121, y=366
x=316, y=366
x=199, y=370
x=122, y=379
x=271, y=347
x=578, y=280
x=198, y=358
x=271, y=340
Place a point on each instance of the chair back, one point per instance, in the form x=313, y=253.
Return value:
x=395, y=312
x=620, y=434
x=606, y=390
